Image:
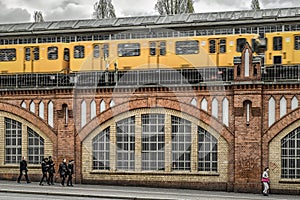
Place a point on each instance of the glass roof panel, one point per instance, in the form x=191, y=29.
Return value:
x=104, y=22
x=5, y=27
x=85, y=23
x=41, y=26
x=21, y=27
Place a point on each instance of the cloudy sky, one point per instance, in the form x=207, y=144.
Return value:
x=13, y=11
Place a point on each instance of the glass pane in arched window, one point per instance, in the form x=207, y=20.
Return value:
x=181, y=144
x=101, y=150
x=290, y=155
x=126, y=144
x=35, y=147
x=13, y=141
x=207, y=151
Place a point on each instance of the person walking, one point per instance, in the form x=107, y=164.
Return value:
x=266, y=181
x=63, y=171
x=71, y=172
x=23, y=170
x=45, y=168
x=51, y=171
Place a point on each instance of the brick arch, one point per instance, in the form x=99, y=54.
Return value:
x=31, y=118
x=277, y=128
x=191, y=110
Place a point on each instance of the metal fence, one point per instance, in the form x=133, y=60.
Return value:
x=141, y=77
x=121, y=78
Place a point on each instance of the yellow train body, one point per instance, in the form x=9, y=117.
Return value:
x=149, y=53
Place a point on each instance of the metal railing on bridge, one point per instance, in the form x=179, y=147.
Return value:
x=120, y=78
x=190, y=76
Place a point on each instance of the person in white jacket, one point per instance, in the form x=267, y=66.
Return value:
x=265, y=180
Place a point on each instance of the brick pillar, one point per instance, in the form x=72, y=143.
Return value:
x=247, y=123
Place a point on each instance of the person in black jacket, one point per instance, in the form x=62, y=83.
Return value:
x=63, y=171
x=23, y=170
x=70, y=172
x=45, y=167
x=51, y=171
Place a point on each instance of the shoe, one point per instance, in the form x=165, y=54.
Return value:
x=19, y=182
x=28, y=182
x=41, y=184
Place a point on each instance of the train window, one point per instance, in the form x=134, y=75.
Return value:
x=52, y=53
x=163, y=49
x=223, y=46
x=240, y=44
x=129, y=49
x=27, y=54
x=36, y=53
x=79, y=51
x=297, y=42
x=212, y=46
x=66, y=54
x=7, y=55
x=152, y=48
x=96, y=51
x=106, y=51
x=104, y=48
x=187, y=47
x=277, y=43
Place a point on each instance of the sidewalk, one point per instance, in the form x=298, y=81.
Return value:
x=123, y=192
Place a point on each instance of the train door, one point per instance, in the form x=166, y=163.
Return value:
x=217, y=50
x=31, y=57
x=100, y=57
x=66, y=61
x=157, y=49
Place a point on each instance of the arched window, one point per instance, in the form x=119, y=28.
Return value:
x=153, y=142
x=204, y=104
x=41, y=110
x=207, y=151
x=50, y=113
x=282, y=107
x=32, y=107
x=23, y=105
x=112, y=103
x=225, y=112
x=215, y=110
x=101, y=149
x=102, y=106
x=295, y=103
x=126, y=144
x=13, y=141
x=271, y=111
x=290, y=155
x=181, y=144
x=194, y=102
x=35, y=147
x=93, y=109
x=83, y=113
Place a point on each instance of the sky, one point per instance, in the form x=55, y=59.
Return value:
x=18, y=11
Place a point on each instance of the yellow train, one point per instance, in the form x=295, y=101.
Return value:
x=281, y=48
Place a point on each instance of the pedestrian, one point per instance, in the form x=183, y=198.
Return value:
x=70, y=172
x=23, y=170
x=51, y=171
x=63, y=171
x=266, y=181
x=45, y=168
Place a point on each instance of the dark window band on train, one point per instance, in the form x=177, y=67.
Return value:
x=129, y=49
x=52, y=53
x=7, y=55
x=79, y=51
x=187, y=47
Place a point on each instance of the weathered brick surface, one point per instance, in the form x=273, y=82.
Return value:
x=244, y=148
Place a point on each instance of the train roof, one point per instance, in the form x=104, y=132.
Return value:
x=278, y=15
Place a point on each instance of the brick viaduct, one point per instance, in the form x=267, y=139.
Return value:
x=248, y=136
